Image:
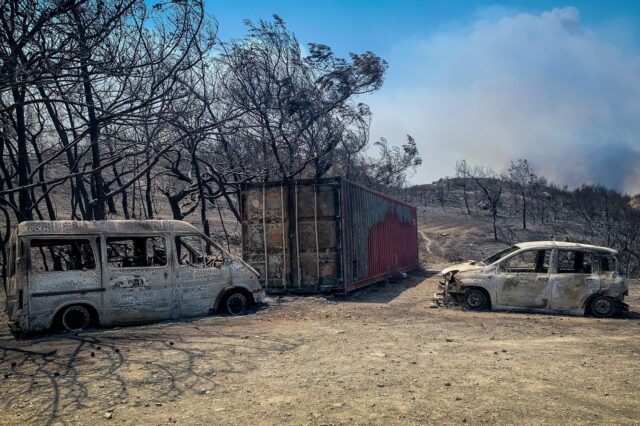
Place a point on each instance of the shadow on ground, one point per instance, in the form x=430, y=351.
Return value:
x=387, y=290
x=140, y=366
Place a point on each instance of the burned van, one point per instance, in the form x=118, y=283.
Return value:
x=73, y=275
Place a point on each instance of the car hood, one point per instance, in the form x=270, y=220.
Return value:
x=469, y=265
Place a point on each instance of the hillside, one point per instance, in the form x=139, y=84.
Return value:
x=592, y=215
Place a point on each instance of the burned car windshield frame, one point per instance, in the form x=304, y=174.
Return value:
x=492, y=259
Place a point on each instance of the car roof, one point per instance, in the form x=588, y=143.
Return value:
x=63, y=227
x=563, y=245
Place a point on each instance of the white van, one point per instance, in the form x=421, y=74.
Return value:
x=77, y=274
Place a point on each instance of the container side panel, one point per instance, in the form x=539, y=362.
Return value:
x=382, y=237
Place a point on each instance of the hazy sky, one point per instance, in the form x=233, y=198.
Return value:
x=554, y=82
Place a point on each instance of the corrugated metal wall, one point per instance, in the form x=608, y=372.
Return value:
x=380, y=236
x=341, y=235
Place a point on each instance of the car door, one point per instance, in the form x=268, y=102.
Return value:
x=138, y=282
x=574, y=278
x=201, y=273
x=523, y=280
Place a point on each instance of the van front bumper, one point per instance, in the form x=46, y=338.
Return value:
x=259, y=295
x=20, y=322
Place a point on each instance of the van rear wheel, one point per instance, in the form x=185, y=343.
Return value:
x=76, y=317
x=236, y=303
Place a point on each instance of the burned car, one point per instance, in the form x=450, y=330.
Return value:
x=542, y=276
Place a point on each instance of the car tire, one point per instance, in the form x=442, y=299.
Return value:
x=602, y=307
x=476, y=299
x=75, y=317
x=236, y=303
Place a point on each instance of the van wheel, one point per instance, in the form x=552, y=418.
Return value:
x=602, y=307
x=236, y=303
x=475, y=299
x=76, y=317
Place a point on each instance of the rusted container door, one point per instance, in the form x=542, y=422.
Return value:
x=290, y=235
x=316, y=260
x=265, y=231
x=380, y=236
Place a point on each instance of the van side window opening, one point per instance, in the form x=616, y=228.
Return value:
x=575, y=262
x=190, y=251
x=136, y=252
x=606, y=263
x=531, y=261
x=195, y=251
x=61, y=255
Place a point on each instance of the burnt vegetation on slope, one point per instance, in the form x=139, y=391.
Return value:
x=524, y=206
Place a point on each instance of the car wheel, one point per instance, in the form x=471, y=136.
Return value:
x=236, y=303
x=602, y=307
x=76, y=317
x=475, y=299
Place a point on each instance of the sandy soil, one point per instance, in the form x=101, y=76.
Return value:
x=378, y=356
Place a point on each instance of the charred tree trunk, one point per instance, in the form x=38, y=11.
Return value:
x=466, y=198
x=82, y=196
x=174, y=203
x=47, y=198
x=98, y=189
x=24, y=195
x=201, y=195
x=524, y=211
x=148, y=192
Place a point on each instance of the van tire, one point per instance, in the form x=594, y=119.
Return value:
x=75, y=317
x=602, y=307
x=236, y=302
x=476, y=299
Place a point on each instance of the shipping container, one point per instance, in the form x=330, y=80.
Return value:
x=327, y=235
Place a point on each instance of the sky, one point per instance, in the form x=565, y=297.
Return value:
x=557, y=83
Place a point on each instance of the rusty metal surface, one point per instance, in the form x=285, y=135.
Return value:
x=326, y=235
x=380, y=236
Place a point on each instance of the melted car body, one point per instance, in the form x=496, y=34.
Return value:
x=75, y=274
x=542, y=276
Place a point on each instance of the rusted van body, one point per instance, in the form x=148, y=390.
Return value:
x=75, y=274
x=326, y=235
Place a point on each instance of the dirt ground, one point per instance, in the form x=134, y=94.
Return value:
x=378, y=356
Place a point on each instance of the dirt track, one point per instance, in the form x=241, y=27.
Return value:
x=378, y=356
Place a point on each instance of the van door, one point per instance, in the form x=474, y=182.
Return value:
x=14, y=300
x=138, y=279
x=62, y=270
x=523, y=280
x=575, y=279
x=201, y=274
